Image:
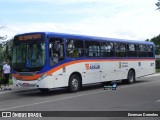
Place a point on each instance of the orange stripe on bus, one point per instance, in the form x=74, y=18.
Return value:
x=27, y=78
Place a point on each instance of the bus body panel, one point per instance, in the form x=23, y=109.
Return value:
x=91, y=69
x=97, y=72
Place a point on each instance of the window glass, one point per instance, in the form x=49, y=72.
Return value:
x=132, y=47
x=75, y=48
x=120, y=49
x=56, y=50
x=132, y=51
x=150, y=50
x=92, y=48
x=29, y=55
x=107, y=49
x=142, y=52
x=142, y=48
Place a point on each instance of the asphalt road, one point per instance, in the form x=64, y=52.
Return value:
x=144, y=95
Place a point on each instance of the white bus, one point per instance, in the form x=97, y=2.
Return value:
x=49, y=60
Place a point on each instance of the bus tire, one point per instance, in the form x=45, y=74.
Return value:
x=131, y=77
x=74, y=83
x=43, y=90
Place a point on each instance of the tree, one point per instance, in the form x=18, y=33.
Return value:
x=156, y=41
x=3, y=47
x=158, y=5
x=8, y=49
x=2, y=38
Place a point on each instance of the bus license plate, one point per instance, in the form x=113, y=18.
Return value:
x=25, y=84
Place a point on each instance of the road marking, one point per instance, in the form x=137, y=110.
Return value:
x=3, y=92
x=51, y=100
x=158, y=101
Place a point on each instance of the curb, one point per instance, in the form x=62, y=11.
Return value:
x=13, y=89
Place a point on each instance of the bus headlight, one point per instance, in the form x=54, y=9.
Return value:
x=42, y=77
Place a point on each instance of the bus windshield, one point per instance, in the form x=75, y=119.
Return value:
x=29, y=56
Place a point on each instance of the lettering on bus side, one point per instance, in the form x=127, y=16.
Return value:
x=123, y=64
x=92, y=66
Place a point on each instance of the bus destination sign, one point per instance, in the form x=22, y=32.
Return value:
x=30, y=37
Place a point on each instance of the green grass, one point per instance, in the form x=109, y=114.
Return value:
x=10, y=82
x=157, y=70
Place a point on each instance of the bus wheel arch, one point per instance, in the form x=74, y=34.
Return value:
x=75, y=82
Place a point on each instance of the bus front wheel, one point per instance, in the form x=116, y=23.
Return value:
x=74, y=83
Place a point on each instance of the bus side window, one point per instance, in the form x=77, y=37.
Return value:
x=142, y=51
x=120, y=49
x=75, y=48
x=92, y=48
x=107, y=49
x=132, y=51
x=150, y=50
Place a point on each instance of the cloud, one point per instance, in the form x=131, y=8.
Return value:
x=134, y=19
x=140, y=28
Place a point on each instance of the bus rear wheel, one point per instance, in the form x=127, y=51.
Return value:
x=131, y=77
x=74, y=83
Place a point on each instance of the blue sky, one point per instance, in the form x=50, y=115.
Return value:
x=128, y=19
x=45, y=11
